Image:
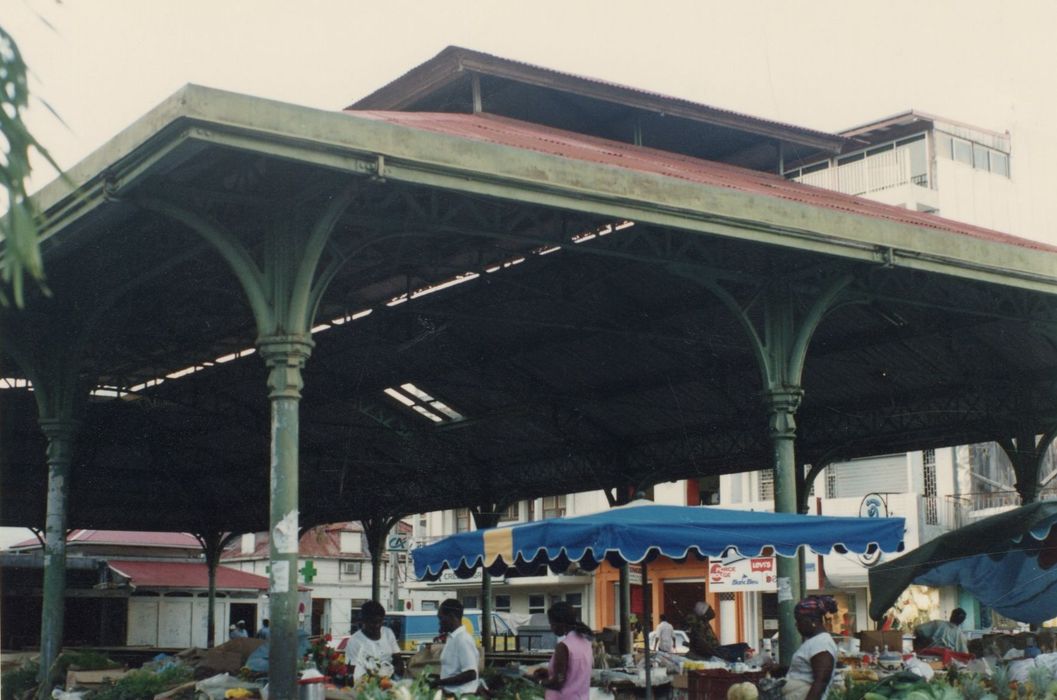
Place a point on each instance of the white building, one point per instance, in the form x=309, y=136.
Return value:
x=334, y=563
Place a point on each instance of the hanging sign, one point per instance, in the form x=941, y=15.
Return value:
x=742, y=574
x=738, y=573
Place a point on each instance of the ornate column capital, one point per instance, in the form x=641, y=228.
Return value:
x=285, y=357
x=782, y=405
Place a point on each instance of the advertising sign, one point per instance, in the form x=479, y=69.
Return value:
x=738, y=573
x=742, y=574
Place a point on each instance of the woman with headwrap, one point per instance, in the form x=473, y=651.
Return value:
x=703, y=642
x=811, y=669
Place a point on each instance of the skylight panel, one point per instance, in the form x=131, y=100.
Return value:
x=428, y=414
x=407, y=401
x=424, y=404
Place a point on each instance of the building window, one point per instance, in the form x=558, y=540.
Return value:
x=351, y=543
x=351, y=570
x=537, y=603
x=531, y=503
x=1000, y=163
x=510, y=514
x=553, y=507
x=963, y=151
x=429, y=605
x=931, y=511
x=831, y=481
x=469, y=602
x=576, y=601
x=980, y=160
x=766, y=484
x=502, y=603
x=462, y=520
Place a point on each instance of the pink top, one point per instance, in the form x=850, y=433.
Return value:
x=578, y=674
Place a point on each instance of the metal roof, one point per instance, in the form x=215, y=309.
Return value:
x=185, y=575
x=517, y=89
x=130, y=538
x=542, y=139
x=571, y=318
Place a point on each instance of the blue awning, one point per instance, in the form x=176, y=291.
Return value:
x=642, y=530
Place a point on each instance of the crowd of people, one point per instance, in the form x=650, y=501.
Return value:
x=567, y=675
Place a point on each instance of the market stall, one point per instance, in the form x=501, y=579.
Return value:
x=641, y=531
x=1007, y=561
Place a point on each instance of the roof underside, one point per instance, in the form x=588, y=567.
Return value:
x=608, y=361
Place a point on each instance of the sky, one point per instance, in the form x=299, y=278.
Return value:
x=100, y=64
x=829, y=65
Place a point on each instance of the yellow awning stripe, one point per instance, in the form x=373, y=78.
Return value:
x=499, y=543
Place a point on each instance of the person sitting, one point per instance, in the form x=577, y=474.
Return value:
x=373, y=645
x=703, y=641
x=941, y=634
x=665, y=635
x=458, y=660
x=568, y=674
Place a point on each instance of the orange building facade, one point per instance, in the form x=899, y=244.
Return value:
x=675, y=587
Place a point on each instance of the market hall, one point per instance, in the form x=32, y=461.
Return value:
x=584, y=285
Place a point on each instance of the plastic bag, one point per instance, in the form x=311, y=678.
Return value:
x=428, y=655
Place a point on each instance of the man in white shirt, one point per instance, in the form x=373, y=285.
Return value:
x=665, y=635
x=373, y=649
x=458, y=660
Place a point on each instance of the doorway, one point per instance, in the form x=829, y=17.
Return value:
x=679, y=600
x=247, y=612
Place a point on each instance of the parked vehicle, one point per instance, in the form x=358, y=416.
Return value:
x=415, y=628
x=682, y=642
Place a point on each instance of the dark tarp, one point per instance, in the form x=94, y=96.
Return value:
x=1007, y=561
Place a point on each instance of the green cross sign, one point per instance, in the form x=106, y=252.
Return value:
x=308, y=571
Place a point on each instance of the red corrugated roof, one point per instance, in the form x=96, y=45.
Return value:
x=321, y=542
x=186, y=575
x=122, y=537
x=542, y=139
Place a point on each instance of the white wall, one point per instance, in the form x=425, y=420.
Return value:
x=977, y=196
x=176, y=621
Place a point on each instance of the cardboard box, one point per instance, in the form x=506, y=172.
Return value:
x=681, y=682
x=92, y=679
x=869, y=640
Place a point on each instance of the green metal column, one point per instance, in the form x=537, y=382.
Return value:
x=486, y=613
x=213, y=543
x=284, y=283
x=284, y=357
x=782, y=406
x=779, y=338
x=484, y=517
x=60, y=434
x=624, y=609
x=1026, y=455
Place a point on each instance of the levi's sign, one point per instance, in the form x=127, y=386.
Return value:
x=742, y=574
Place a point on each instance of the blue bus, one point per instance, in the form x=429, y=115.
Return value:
x=413, y=629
